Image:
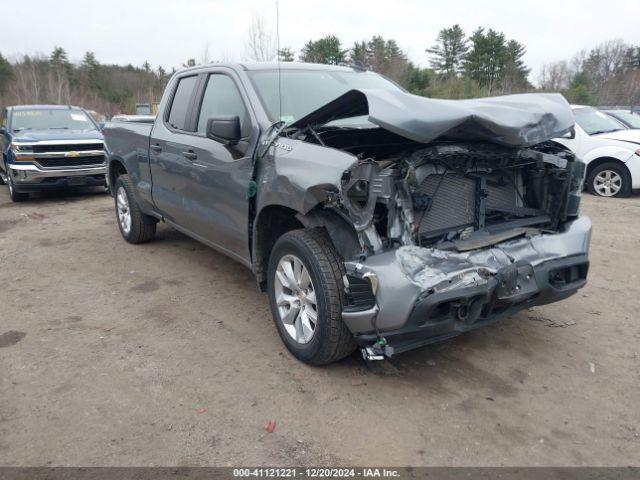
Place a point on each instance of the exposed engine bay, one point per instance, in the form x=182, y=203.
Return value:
x=451, y=195
x=462, y=211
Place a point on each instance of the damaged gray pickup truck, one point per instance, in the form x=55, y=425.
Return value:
x=373, y=218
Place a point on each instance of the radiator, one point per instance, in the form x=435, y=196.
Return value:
x=454, y=203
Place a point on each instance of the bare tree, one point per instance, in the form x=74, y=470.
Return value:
x=555, y=76
x=261, y=44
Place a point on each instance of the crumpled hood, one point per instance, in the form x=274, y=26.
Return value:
x=47, y=135
x=513, y=120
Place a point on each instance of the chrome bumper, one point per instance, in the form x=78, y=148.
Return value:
x=29, y=173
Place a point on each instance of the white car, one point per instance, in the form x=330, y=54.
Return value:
x=610, y=150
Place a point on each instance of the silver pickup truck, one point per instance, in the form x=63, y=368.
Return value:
x=372, y=218
x=48, y=147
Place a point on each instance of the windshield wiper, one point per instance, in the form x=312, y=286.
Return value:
x=58, y=128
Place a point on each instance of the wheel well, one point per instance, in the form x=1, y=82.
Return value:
x=599, y=161
x=273, y=222
x=116, y=168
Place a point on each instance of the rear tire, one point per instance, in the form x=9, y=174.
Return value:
x=609, y=179
x=15, y=196
x=135, y=226
x=311, y=252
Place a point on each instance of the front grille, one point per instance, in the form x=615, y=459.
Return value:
x=81, y=147
x=61, y=162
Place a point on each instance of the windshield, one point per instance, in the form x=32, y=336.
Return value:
x=304, y=91
x=43, y=119
x=594, y=121
x=633, y=119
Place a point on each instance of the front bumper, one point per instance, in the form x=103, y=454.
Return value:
x=427, y=295
x=29, y=177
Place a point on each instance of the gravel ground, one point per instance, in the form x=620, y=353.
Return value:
x=165, y=354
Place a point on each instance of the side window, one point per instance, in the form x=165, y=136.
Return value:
x=221, y=98
x=181, y=102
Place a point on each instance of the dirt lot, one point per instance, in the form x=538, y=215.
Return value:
x=165, y=354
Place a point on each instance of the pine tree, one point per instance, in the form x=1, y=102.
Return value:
x=59, y=59
x=487, y=59
x=358, y=53
x=516, y=71
x=449, y=51
x=61, y=75
x=325, y=50
x=92, y=68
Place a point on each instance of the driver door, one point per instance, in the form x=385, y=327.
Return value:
x=217, y=184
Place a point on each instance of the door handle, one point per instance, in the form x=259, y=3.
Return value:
x=191, y=155
x=156, y=148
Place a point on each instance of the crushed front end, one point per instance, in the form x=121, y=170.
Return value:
x=464, y=211
x=456, y=236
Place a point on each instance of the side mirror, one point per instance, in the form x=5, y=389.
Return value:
x=101, y=126
x=224, y=129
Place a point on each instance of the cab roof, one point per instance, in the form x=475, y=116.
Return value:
x=251, y=66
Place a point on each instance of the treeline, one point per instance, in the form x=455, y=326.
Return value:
x=481, y=64
x=107, y=89
x=606, y=75
x=486, y=63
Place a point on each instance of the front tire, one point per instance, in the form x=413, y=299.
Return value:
x=15, y=196
x=135, y=226
x=305, y=295
x=609, y=179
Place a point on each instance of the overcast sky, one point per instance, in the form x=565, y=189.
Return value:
x=168, y=32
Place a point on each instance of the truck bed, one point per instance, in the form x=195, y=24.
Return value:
x=126, y=138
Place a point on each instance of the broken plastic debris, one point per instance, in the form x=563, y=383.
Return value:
x=270, y=426
x=200, y=411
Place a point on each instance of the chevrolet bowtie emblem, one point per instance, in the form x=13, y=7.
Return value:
x=71, y=154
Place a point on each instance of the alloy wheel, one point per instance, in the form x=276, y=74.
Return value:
x=607, y=183
x=123, y=210
x=296, y=299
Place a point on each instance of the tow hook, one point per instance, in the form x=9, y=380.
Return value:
x=377, y=351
